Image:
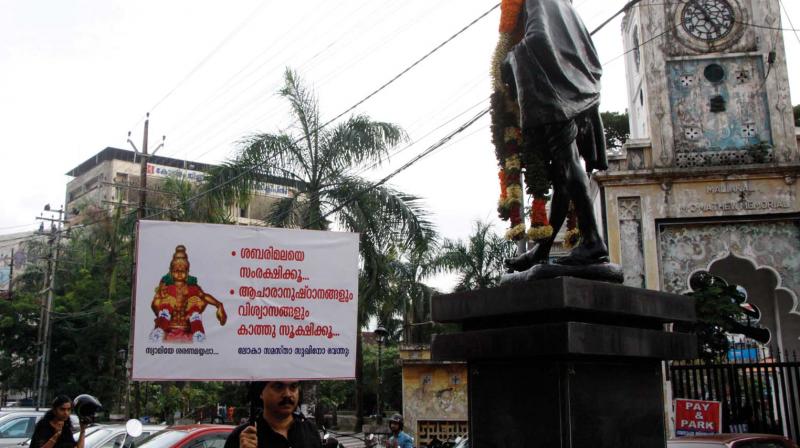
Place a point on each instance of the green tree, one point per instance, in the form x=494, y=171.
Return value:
x=617, y=128
x=323, y=165
x=182, y=200
x=719, y=314
x=478, y=261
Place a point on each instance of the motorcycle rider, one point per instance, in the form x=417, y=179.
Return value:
x=398, y=439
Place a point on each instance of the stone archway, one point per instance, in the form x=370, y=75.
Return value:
x=778, y=305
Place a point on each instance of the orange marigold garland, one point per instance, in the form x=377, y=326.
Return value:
x=540, y=226
x=507, y=138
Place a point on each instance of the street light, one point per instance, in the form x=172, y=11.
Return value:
x=381, y=333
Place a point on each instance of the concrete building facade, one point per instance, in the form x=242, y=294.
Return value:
x=111, y=177
x=434, y=396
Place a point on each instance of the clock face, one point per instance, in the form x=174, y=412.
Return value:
x=708, y=20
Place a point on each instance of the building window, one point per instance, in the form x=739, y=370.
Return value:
x=636, y=55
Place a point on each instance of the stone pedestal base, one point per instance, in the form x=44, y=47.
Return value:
x=564, y=362
x=551, y=403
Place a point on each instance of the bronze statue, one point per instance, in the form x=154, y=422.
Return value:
x=552, y=74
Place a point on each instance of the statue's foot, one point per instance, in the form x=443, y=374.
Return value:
x=585, y=254
x=527, y=260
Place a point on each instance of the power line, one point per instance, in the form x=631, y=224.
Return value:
x=202, y=62
x=395, y=78
x=405, y=166
x=790, y=20
x=668, y=30
x=767, y=27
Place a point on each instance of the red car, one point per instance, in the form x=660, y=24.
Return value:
x=189, y=436
x=732, y=441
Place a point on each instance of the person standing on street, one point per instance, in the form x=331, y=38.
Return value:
x=54, y=430
x=398, y=439
x=279, y=425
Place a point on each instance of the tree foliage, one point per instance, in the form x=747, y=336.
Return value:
x=617, y=128
x=321, y=163
x=478, y=261
x=720, y=314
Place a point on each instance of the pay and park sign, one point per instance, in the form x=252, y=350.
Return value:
x=238, y=303
x=696, y=417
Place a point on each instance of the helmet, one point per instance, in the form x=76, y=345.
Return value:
x=86, y=406
x=397, y=418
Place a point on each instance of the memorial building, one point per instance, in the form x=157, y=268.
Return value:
x=708, y=180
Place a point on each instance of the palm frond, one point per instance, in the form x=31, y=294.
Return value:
x=359, y=140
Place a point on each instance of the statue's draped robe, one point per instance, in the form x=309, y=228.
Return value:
x=554, y=72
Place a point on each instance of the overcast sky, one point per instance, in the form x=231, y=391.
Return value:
x=77, y=75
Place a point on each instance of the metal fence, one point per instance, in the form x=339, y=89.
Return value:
x=758, y=388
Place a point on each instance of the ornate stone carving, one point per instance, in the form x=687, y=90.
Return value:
x=685, y=248
x=632, y=252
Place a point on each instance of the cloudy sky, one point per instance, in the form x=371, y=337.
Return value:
x=77, y=75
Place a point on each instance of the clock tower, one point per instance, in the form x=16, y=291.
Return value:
x=707, y=82
x=707, y=181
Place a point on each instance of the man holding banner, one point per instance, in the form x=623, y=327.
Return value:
x=279, y=425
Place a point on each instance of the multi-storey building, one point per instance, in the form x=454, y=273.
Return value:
x=112, y=178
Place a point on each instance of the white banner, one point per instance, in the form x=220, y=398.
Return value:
x=256, y=303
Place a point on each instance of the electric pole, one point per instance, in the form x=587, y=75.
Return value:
x=141, y=214
x=45, y=323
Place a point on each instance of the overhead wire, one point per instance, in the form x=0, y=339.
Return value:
x=402, y=168
x=789, y=18
x=214, y=51
x=194, y=197
x=372, y=94
x=218, y=137
x=246, y=74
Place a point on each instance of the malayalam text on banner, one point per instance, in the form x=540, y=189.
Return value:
x=224, y=302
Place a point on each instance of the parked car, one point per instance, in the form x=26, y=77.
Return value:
x=89, y=430
x=189, y=436
x=731, y=440
x=114, y=436
x=17, y=426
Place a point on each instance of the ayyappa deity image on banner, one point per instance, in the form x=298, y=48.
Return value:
x=179, y=303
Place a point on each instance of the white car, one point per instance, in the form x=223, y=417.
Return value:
x=114, y=436
x=17, y=426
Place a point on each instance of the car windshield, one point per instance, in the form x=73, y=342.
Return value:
x=97, y=436
x=163, y=439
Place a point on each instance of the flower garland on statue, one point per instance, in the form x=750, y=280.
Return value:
x=507, y=139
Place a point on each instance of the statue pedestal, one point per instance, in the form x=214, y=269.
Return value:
x=564, y=362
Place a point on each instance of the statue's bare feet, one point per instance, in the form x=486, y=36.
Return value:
x=586, y=253
x=537, y=255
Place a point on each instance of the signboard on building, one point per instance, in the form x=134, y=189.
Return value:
x=265, y=188
x=238, y=303
x=168, y=171
x=696, y=417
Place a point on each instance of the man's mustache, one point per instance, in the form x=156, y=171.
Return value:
x=286, y=400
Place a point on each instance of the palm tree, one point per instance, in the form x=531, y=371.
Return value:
x=322, y=164
x=179, y=199
x=478, y=261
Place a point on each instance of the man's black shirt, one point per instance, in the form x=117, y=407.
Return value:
x=44, y=431
x=302, y=434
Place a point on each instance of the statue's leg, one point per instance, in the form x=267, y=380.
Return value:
x=559, y=207
x=569, y=170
